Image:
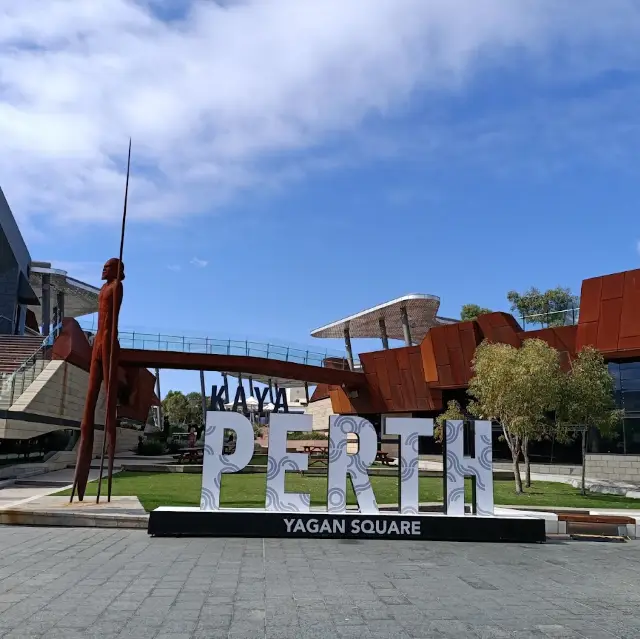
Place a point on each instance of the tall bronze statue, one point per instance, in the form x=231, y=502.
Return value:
x=104, y=368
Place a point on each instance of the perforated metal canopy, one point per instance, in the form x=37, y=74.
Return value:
x=421, y=311
x=80, y=298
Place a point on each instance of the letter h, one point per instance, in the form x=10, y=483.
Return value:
x=479, y=468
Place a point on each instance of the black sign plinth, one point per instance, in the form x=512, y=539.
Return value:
x=192, y=522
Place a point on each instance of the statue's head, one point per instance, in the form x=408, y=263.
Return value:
x=110, y=270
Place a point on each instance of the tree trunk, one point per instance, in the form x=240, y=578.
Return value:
x=527, y=463
x=513, y=441
x=583, y=487
x=516, y=472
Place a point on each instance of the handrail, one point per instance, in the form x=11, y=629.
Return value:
x=248, y=348
x=205, y=345
x=32, y=358
x=574, y=313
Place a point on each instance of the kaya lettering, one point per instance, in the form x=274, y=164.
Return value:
x=354, y=466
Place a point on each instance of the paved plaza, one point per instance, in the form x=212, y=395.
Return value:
x=84, y=583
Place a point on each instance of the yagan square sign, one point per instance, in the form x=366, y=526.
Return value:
x=289, y=514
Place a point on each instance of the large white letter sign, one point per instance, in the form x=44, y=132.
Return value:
x=410, y=430
x=280, y=461
x=458, y=467
x=341, y=463
x=214, y=462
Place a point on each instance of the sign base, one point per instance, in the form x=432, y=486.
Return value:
x=193, y=522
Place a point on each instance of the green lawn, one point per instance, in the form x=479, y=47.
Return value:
x=248, y=491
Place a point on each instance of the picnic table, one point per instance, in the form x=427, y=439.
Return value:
x=192, y=454
x=317, y=454
x=384, y=458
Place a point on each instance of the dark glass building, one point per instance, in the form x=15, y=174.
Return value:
x=627, y=393
x=15, y=263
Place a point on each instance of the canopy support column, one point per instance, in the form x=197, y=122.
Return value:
x=347, y=344
x=46, y=303
x=226, y=388
x=160, y=415
x=383, y=333
x=203, y=393
x=405, y=326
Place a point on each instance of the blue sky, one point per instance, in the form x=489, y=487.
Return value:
x=296, y=164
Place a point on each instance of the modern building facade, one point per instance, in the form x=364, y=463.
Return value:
x=16, y=293
x=420, y=379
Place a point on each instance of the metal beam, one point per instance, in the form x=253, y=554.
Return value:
x=406, y=330
x=273, y=368
x=347, y=344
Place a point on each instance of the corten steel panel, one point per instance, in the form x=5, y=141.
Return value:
x=458, y=368
x=445, y=376
x=393, y=369
x=429, y=359
x=612, y=286
x=321, y=392
x=423, y=394
x=439, y=341
x=586, y=335
x=630, y=319
x=499, y=328
x=590, y=296
x=562, y=338
x=469, y=340
x=72, y=345
x=240, y=364
x=609, y=324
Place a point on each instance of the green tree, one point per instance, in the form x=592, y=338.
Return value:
x=547, y=309
x=194, y=400
x=588, y=400
x=517, y=387
x=453, y=412
x=175, y=407
x=471, y=311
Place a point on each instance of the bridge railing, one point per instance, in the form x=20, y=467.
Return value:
x=246, y=348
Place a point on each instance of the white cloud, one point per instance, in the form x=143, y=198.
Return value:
x=215, y=100
x=174, y=267
x=198, y=263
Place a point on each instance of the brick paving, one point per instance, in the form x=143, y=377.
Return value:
x=83, y=583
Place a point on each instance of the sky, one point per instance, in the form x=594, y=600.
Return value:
x=295, y=162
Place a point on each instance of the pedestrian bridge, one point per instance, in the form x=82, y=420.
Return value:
x=264, y=359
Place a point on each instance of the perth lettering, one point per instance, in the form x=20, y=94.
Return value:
x=385, y=526
x=343, y=466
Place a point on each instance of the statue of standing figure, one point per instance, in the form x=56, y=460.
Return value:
x=102, y=369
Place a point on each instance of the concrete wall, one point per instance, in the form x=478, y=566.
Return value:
x=320, y=411
x=624, y=468
x=58, y=392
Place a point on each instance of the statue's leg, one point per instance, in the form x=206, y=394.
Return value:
x=111, y=422
x=85, y=446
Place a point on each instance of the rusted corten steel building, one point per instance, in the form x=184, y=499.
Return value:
x=419, y=379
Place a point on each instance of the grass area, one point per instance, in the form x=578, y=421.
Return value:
x=248, y=491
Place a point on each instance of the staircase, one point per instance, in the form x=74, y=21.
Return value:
x=21, y=361
x=16, y=349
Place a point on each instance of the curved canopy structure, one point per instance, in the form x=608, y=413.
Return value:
x=407, y=318
x=76, y=297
